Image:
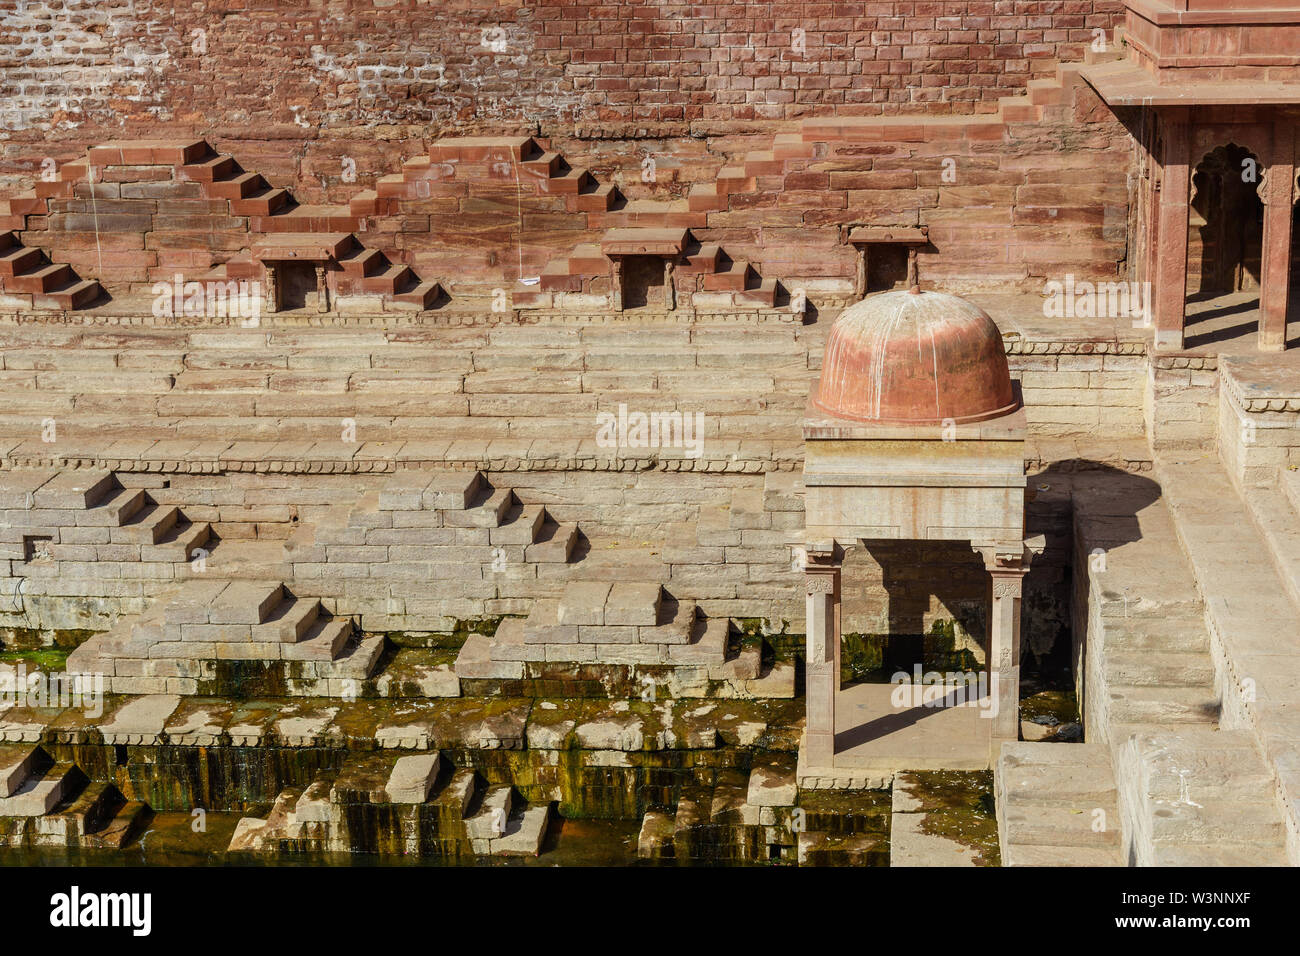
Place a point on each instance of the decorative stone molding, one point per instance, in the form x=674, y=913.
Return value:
x=1003, y=589
x=328, y=466
x=1020, y=346
x=1285, y=403
x=819, y=582
x=1195, y=363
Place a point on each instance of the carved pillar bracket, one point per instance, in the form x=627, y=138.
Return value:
x=1007, y=567
x=616, y=283
x=822, y=626
x=322, y=291
x=272, y=291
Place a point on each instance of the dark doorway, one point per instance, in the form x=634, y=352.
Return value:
x=1226, y=222
x=886, y=267
x=297, y=282
x=643, y=282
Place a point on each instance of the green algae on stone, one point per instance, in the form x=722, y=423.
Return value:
x=33, y=638
x=959, y=806
x=1063, y=705
x=46, y=659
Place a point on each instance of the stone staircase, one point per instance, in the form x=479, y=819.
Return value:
x=82, y=532
x=1240, y=539
x=1151, y=705
x=615, y=623
x=442, y=810
x=29, y=278
x=117, y=189
x=1212, y=799
x=427, y=526
x=731, y=818
x=231, y=638
x=1057, y=805
x=47, y=803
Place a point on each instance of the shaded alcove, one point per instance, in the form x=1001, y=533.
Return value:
x=1226, y=224
x=908, y=603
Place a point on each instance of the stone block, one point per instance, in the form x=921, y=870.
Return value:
x=413, y=778
x=633, y=603
x=583, y=603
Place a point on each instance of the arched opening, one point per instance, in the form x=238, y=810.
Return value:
x=1225, y=241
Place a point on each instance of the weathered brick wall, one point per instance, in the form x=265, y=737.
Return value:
x=74, y=72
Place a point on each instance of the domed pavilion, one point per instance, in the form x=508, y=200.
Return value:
x=914, y=431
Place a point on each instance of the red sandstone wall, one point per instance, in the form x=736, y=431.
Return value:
x=281, y=73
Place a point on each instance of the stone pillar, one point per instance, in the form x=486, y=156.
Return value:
x=913, y=278
x=1007, y=570
x=322, y=292
x=822, y=625
x=1275, y=273
x=670, y=289
x=616, y=283
x=1169, y=292
x=860, y=277
x=272, y=290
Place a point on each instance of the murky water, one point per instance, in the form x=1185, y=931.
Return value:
x=171, y=840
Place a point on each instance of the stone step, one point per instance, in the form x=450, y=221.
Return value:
x=1026, y=854
x=357, y=662
x=525, y=832
x=76, y=489
x=413, y=778
x=423, y=294
x=553, y=544
x=72, y=294
x=1159, y=668
x=19, y=260
x=246, y=602
x=1201, y=765
x=235, y=187
x=1059, y=826
x=522, y=526
x=1198, y=787
x=184, y=538
x=1176, y=634
x=488, y=511
x=1061, y=798
x=1055, y=775
x=655, y=839
x=17, y=764
x=1162, y=705
x=43, y=279
x=489, y=821
x=148, y=526
x=1214, y=823
x=289, y=621
x=263, y=202
x=634, y=603
x=115, y=510
x=41, y=793
x=127, y=824
x=324, y=640
x=1221, y=854
x=89, y=812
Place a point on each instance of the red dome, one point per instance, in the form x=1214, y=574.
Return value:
x=914, y=358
